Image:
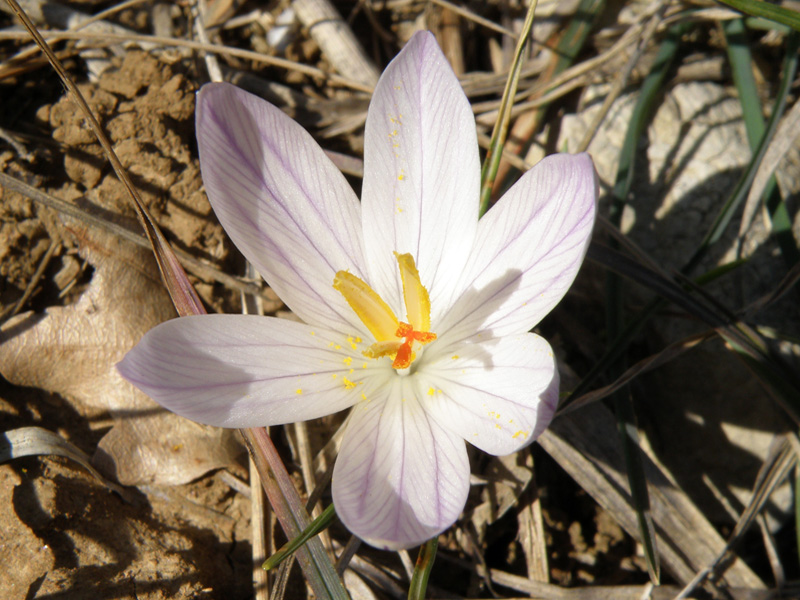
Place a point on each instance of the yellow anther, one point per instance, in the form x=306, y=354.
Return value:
x=379, y=349
x=366, y=303
x=418, y=303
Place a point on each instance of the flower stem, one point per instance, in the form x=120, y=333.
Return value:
x=419, y=580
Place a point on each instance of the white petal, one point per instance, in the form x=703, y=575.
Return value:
x=248, y=371
x=282, y=202
x=527, y=252
x=498, y=394
x=400, y=479
x=421, y=173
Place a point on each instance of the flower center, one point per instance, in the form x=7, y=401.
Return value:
x=393, y=337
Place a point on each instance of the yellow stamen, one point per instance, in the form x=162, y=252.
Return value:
x=366, y=303
x=418, y=303
x=379, y=349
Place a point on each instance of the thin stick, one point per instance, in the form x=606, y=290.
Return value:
x=622, y=78
x=51, y=250
x=193, y=45
x=212, y=65
x=471, y=16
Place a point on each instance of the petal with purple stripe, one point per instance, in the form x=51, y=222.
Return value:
x=499, y=395
x=282, y=202
x=527, y=252
x=421, y=173
x=249, y=371
x=400, y=478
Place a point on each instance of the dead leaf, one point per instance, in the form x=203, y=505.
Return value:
x=507, y=477
x=72, y=350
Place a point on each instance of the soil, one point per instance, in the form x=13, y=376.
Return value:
x=64, y=534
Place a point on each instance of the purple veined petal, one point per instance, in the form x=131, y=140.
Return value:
x=400, y=479
x=282, y=202
x=499, y=394
x=421, y=174
x=528, y=250
x=249, y=371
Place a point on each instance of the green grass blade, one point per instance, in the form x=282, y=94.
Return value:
x=759, y=8
x=569, y=45
x=317, y=525
x=717, y=229
x=640, y=499
x=422, y=570
x=741, y=61
x=495, y=152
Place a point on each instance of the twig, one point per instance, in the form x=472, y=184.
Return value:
x=336, y=40
x=51, y=250
x=622, y=78
x=274, y=61
x=212, y=65
x=471, y=16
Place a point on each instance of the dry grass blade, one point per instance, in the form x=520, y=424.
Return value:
x=785, y=139
x=471, y=16
x=645, y=365
x=585, y=445
x=35, y=441
x=261, y=534
x=259, y=509
x=776, y=468
x=630, y=592
x=623, y=76
x=532, y=535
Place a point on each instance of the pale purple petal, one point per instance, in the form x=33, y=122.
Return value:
x=528, y=250
x=249, y=371
x=282, y=202
x=400, y=478
x=421, y=173
x=499, y=394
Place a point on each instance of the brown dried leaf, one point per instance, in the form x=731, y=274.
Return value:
x=507, y=477
x=72, y=351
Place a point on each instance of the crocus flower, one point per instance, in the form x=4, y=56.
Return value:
x=416, y=315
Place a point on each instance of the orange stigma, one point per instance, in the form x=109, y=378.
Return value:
x=405, y=353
